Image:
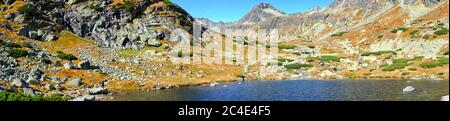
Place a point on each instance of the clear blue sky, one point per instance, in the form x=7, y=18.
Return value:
x=232, y=10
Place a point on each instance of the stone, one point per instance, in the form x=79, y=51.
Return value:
x=85, y=65
x=100, y=90
x=1, y=89
x=19, y=83
x=28, y=91
x=68, y=65
x=444, y=98
x=59, y=87
x=50, y=87
x=51, y=37
x=75, y=82
x=85, y=98
x=409, y=89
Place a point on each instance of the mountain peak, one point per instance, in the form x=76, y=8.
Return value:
x=260, y=13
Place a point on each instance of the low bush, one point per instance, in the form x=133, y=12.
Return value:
x=65, y=56
x=297, y=66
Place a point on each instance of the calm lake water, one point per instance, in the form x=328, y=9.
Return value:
x=302, y=90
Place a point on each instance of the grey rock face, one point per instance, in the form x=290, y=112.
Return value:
x=110, y=26
x=75, y=82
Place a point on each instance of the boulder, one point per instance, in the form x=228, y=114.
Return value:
x=100, y=90
x=444, y=98
x=68, y=65
x=28, y=91
x=409, y=89
x=85, y=65
x=1, y=89
x=85, y=98
x=19, y=83
x=75, y=82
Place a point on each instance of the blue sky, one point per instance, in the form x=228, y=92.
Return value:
x=232, y=10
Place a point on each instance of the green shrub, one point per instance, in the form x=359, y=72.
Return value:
x=413, y=32
x=310, y=59
x=412, y=69
x=284, y=59
x=286, y=46
x=330, y=58
x=377, y=53
x=16, y=53
x=397, y=64
x=297, y=66
x=12, y=96
x=338, y=34
x=440, y=62
x=441, y=31
x=62, y=55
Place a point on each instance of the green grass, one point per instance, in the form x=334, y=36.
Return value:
x=397, y=64
x=377, y=53
x=297, y=66
x=65, y=56
x=12, y=96
x=441, y=31
x=16, y=53
x=330, y=58
x=440, y=62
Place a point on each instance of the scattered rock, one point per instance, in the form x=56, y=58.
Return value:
x=68, y=65
x=85, y=98
x=19, y=83
x=28, y=91
x=409, y=89
x=444, y=98
x=75, y=82
x=85, y=65
x=99, y=90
